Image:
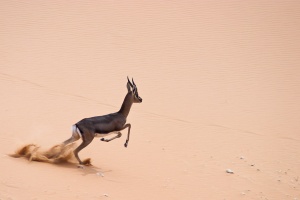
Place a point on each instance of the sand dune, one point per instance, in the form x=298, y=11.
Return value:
x=220, y=87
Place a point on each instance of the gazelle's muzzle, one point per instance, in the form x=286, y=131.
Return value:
x=140, y=99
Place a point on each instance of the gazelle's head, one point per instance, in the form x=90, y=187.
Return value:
x=131, y=87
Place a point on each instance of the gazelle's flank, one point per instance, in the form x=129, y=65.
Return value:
x=101, y=126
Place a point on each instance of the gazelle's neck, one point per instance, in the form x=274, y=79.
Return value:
x=127, y=103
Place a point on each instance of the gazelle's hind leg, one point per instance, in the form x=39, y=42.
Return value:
x=75, y=136
x=85, y=141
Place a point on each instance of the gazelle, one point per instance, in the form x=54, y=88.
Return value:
x=89, y=128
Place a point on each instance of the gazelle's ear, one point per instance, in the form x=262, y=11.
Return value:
x=128, y=87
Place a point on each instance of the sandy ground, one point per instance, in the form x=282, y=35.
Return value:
x=220, y=87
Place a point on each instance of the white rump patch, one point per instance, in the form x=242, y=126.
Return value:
x=75, y=130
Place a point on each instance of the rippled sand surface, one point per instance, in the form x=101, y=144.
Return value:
x=220, y=87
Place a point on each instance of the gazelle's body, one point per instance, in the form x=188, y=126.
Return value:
x=89, y=128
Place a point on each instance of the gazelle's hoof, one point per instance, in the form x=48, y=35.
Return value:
x=125, y=145
x=102, y=139
x=80, y=166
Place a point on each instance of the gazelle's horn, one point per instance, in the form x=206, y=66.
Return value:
x=133, y=82
x=129, y=82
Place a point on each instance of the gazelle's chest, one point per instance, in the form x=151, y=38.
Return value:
x=101, y=135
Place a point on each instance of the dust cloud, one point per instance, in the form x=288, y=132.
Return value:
x=56, y=154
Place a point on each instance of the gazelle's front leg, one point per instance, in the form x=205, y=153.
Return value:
x=119, y=134
x=129, y=127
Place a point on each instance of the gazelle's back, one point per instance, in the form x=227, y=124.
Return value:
x=103, y=124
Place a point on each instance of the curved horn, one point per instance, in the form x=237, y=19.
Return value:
x=129, y=82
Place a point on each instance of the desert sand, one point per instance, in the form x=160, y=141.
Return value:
x=220, y=87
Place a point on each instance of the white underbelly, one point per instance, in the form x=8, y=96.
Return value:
x=106, y=134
